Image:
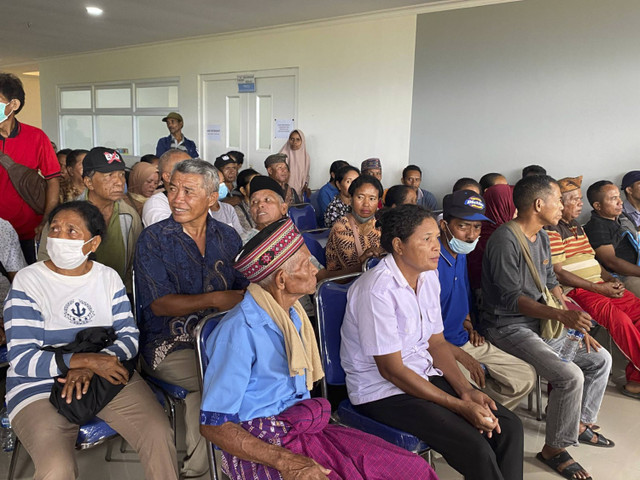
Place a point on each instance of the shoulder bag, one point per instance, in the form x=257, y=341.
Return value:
x=29, y=184
x=548, y=328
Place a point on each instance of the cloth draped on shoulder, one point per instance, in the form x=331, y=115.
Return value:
x=500, y=209
x=302, y=349
x=350, y=454
x=299, y=163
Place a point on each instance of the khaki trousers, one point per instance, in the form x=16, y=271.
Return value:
x=632, y=284
x=509, y=379
x=134, y=413
x=179, y=368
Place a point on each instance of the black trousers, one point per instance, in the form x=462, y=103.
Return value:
x=475, y=456
x=29, y=250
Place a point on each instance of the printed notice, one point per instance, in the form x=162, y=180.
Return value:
x=214, y=133
x=283, y=128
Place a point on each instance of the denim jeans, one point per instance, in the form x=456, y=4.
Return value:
x=581, y=382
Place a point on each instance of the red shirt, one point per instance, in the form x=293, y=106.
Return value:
x=31, y=147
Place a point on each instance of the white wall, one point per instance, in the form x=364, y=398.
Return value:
x=556, y=83
x=355, y=82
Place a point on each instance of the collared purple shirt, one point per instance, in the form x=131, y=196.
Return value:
x=631, y=212
x=384, y=315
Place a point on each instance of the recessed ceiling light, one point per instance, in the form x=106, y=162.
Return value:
x=95, y=11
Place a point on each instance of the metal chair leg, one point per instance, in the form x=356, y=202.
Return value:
x=539, y=397
x=14, y=459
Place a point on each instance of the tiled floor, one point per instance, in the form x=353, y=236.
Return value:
x=619, y=418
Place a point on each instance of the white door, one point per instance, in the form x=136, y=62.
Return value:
x=247, y=121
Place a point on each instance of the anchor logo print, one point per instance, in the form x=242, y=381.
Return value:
x=78, y=312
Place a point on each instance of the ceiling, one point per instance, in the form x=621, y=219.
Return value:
x=38, y=29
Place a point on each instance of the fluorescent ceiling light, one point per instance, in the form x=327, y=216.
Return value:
x=95, y=11
x=32, y=74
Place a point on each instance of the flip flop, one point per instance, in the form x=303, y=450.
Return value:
x=586, y=438
x=569, y=471
x=627, y=393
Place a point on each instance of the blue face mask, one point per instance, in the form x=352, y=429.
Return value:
x=459, y=246
x=3, y=107
x=223, y=191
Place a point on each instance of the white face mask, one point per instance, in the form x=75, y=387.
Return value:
x=3, y=107
x=66, y=253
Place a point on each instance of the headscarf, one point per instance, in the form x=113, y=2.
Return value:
x=500, y=209
x=299, y=163
x=138, y=176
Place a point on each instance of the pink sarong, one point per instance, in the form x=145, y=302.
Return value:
x=350, y=454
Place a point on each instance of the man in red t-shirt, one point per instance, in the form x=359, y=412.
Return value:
x=31, y=147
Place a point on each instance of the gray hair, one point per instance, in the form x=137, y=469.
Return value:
x=208, y=172
x=165, y=158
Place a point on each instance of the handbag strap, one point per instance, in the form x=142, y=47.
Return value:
x=356, y=234
x=526, y=253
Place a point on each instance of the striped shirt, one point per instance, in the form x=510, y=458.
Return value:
x=45, y=308
x=570, y=247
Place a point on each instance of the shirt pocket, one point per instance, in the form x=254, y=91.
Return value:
x=408, y=324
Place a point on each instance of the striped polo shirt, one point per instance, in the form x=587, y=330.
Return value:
x=571, y=248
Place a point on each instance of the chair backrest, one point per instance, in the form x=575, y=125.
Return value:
x=303, y=216
x=317, y=249
x=316, y=206
x=331, y=303
x=137, y=306
x=200, y=336
x=370, y=263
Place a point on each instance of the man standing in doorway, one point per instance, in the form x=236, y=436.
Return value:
x=176, y=139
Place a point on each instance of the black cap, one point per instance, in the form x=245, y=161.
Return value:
x=260, y=182
x=465, y=204
x=103, y=160
x=222, y=161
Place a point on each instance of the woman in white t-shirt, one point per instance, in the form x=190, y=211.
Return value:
x=48, y=304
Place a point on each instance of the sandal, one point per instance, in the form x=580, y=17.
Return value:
x=587, y=436
x=569, y=471
x=628, y=393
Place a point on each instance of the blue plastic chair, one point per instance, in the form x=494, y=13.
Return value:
x=303, y=216
x=316, y=242
x=200, y=336
x=331, y=302
x=316, y=206
x=370, y=263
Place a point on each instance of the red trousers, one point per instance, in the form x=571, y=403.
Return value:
x=621, y=317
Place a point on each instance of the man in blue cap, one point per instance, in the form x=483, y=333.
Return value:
x=507, y=379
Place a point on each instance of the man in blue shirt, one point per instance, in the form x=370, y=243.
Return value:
x=263, y=360
x=176, y=139
x=329, y=189
x=412, y=177
x=508, y=379
x=184, y=272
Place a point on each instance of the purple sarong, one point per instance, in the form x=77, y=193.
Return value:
x=350, y=454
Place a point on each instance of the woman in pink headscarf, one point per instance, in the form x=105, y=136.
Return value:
x=500, y=209
x=299, y=162
x=143, y=181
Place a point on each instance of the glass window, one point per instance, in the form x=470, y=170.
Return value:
x=157, y=97
x=263, y=117
x=113, y=98
x=233, y=122
x=150, y=129
x=77, y=131
x=115, y=131
x=71, y=99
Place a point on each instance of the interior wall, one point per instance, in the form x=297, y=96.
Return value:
x=31, y=113
x=535, y=82
x=355, y=83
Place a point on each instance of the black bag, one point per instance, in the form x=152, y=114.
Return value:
x=29, y=184
x=101, y=391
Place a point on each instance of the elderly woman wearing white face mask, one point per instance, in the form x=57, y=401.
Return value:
x=49, y=303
